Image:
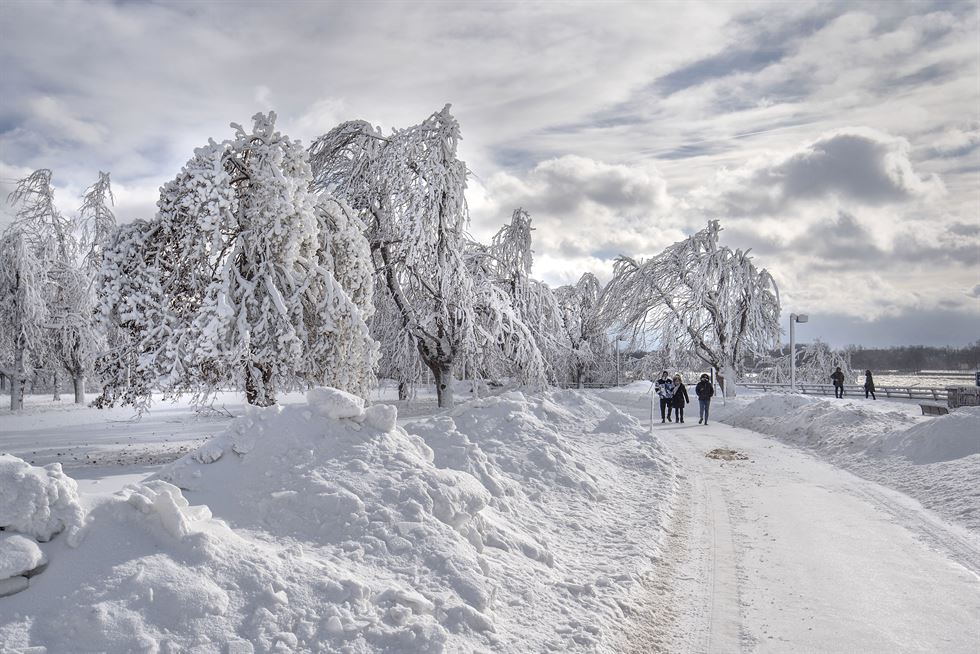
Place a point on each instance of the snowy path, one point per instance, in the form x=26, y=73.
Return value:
x=783, y=552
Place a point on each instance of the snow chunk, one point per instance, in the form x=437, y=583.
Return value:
x=381, y=416
x=166, y=501
x=39, y=502
x=19, y=555
x=334, y=403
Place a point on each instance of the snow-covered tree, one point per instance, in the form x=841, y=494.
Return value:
x=97, y=221
x=535, y=303
x=506, y=344
x=651, y=364
x=408, y=186
x=585, y=326
x=699, y=296
x=235, y=281
x=71, y=334
x=814, y=364
x=23, y=308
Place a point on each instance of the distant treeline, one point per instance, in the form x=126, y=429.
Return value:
x=905, y=358
x=915, y=357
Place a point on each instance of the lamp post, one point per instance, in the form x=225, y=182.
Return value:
x=793, y=319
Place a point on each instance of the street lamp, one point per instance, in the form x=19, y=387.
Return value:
x=793, y=319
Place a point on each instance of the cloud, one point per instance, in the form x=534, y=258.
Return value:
x=582, y=208
x=584, y=116
x=860, y=165
x=51, y=116
x=939, y=327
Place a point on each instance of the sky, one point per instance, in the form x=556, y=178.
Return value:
x=839, y=141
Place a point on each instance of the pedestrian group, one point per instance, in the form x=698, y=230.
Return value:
x=673, y=397
x=838, y=378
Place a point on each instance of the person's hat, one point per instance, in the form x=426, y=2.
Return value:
x=705, y=376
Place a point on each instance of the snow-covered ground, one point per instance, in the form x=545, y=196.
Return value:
x=521, y=522
x=778, y=550
x=515, y=523
x=935, y=460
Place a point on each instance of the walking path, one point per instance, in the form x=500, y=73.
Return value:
x=785, y=553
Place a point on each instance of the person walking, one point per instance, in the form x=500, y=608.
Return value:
x=869, y=385
x=704, y=390
x=838, y=378
x=665, y=391
x=680, y=398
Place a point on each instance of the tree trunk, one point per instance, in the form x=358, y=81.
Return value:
x=726, y=379
x=17, y=380
x=578, y=377
x=57, y=389
x=259, y=391
x=731, y=376
x=443, y=372
x=3, y=382
x=402, y=391
x=79, y=383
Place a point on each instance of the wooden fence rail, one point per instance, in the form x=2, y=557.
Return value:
x=906, y=392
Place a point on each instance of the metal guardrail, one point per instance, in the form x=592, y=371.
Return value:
x=589, y=384
x=905, y=392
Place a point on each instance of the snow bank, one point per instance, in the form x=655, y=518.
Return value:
x=829, y=425
x=953, y=436
x=515, y=523
x=936, y=460
x=39, y=502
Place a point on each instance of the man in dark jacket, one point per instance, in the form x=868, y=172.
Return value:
x=704, y=390
x=838, y=379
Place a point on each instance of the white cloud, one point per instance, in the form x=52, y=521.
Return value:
x=56, y=121
x=858, y=165
x=583, y=210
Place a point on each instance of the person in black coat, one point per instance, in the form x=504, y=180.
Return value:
x=838, y=378
x=869, y=385
x=704, y=390
x=680, y=398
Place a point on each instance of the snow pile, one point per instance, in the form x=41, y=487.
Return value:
x=935, y=460
x=829, y=425
x=324, y=527
x=949, y=437
x=39, y=502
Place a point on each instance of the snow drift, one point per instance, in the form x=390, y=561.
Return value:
x=515, y=523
